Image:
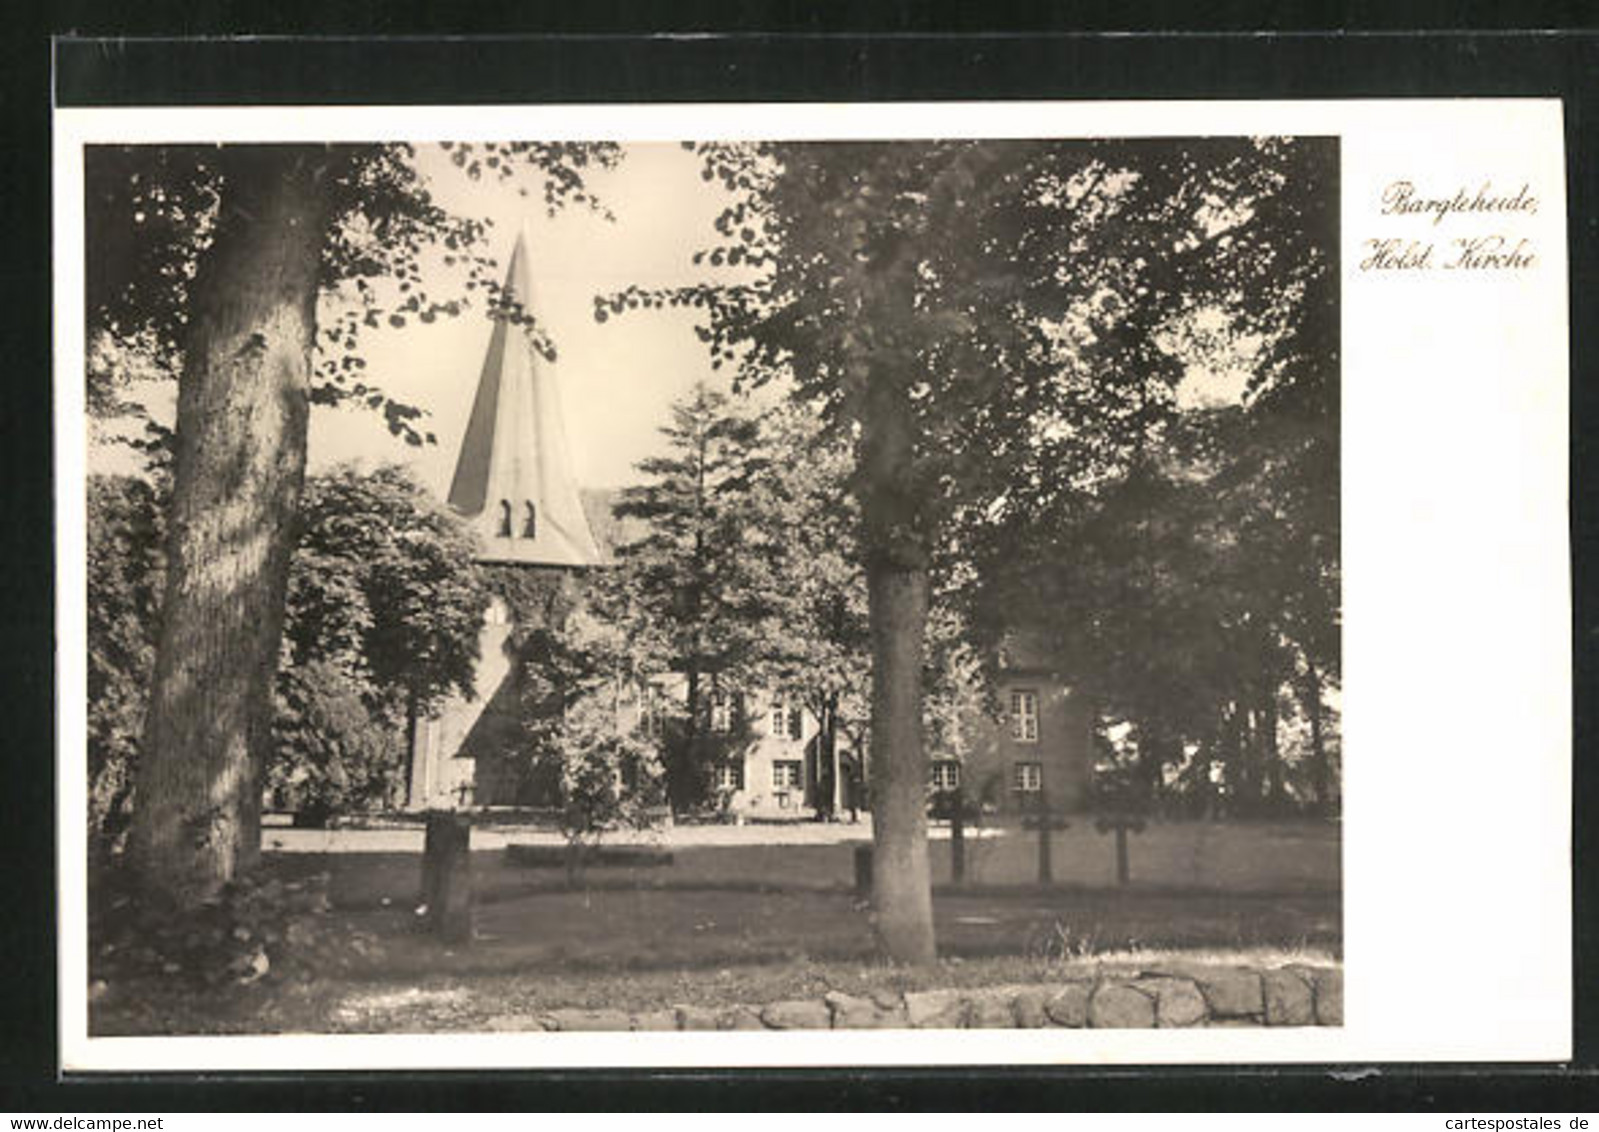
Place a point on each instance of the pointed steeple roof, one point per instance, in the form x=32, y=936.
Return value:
x=513, y=479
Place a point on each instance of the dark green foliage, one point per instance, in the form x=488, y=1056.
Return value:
x=385, y=608
x=580, y=696
x=151, y=213
x=124, y=593
x=335, y=754
x=385, y=584
x=692, y=587
x=384, y=612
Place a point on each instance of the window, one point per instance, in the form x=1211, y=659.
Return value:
x=530, y=520
x=786, y=774
x=788, y=719
x=1028, y=777
x=946, y=775
x=504, y=530
x=730, y=776
x=721, y=713
x=1024, y=716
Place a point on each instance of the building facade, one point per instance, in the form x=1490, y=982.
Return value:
x=1039, y=752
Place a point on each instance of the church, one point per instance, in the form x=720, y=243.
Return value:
x=514, y=487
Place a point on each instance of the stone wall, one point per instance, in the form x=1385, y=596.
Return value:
x=1165, y=995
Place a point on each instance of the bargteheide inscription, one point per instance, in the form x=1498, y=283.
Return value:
x=1496, y=248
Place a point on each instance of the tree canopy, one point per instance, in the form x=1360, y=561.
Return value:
x=1000, y=326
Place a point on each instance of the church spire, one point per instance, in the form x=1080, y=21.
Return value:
x=513, y=480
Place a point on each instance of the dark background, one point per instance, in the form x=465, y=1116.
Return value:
x=601, y=52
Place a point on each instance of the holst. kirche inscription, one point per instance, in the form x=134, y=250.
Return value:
x=1500, y=248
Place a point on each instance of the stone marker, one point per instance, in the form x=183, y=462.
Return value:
x=957, y=840
x=447, y=875
x=1046, y=824
x=863, y=871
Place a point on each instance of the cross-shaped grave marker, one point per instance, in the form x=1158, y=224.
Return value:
x=1045, y=823
x=1120, y=822
x=954, y=806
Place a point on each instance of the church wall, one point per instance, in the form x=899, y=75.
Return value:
x=460, y=750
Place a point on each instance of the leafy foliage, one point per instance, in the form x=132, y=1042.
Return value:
x=694, y=583
x=582, y=722
x=124, y=595
x=385, y=583
x=384, y=612
x=1005, y=323
x=334, y=753
x=1037, y=301
x=151, y=215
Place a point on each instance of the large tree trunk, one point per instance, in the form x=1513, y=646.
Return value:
x=897, y=587
x=241, y=441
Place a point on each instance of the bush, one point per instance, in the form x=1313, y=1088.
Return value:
x=334, y=755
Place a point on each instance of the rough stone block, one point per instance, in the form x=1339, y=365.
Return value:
x=739, y=1018
x=851, y=1012
x=655, y=1020
x=797, y=1014
x=605, y=1020
x=991, y=1010
x=1177, y=1001
x=1028, y=1008
x=516, y=1024
x=936, y=1010
x=1232, y=992
x=1117, y=1006
x=695, y=1018
x=1329, y=985
x=1069, y=1005
x=1288, y=999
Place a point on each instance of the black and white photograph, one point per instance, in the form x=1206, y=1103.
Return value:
x=712, y=583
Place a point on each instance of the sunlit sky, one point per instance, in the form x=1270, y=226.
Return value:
x=617, y=379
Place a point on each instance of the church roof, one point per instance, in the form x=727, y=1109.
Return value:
x=513, y=479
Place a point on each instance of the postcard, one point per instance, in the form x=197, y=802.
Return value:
x=1056, y=583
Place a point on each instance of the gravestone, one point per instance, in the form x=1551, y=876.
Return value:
x=1045, y=823
x=952, y=806
x=447, y=875
x=957, y=841
x=863, y=871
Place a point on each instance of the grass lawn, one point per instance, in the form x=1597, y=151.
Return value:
x=754, y=923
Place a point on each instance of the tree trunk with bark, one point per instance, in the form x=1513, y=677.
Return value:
x=897, y=587
x=243, y=403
